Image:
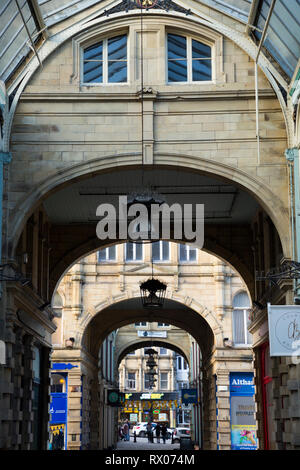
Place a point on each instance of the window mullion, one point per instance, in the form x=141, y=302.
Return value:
x=189, y=59
x=105, y=61
x=245, y=325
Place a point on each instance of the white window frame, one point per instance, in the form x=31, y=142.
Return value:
x=160, y=387
x=161, y=260
x=245, y=311
x=189, y=38
x=107, y=258
x=188, y=249
x=131, y=380
x=133, y=260
x=164, y=325
x=105, y=81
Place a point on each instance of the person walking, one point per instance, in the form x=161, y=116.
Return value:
x=164, y=432
x=126, y=428
x=149, y=431
x=157, y=432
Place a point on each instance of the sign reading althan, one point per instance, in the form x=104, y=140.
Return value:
x=284, y=331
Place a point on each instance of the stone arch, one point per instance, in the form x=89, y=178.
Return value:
x=268, y=200
x=193, y=305
x=143, y=343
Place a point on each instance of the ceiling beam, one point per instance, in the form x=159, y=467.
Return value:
x=39, y=17
x=252, y=16
x=28, y=32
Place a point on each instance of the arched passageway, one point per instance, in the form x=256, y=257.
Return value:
x=193, y=322
x=75, y=147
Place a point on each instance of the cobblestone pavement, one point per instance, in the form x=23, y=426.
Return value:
x=143, y=444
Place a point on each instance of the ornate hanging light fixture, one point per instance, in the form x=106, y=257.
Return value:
x=153, y=293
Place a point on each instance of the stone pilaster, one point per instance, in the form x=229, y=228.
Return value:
x=27, y=436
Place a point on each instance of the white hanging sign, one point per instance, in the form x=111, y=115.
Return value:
x=284, y=330
x=152, y=334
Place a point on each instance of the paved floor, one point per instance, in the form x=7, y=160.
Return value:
x=143, y=444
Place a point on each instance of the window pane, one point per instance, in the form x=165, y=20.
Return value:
x=241, y=300
x=182, y=253
x=163, y=351
x=201, y=70
x=117, y=48
x=92, y=72
x=155, y=251
x=192, y=254
x=238, y=327
x=176, y=47
x=200, y=51
x=102, y=255
x=129, y=251
x=117, y=72
x=112, y=252
x=177, y=71
x=166, y=250
x=164, y=380
x=139, y=251
x=94, y=52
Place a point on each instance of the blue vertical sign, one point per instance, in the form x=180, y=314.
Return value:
x=242, y=411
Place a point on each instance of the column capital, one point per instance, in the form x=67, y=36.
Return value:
x=291, y=154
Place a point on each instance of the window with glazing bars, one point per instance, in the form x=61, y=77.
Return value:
x=106, y=61
x=188, y=60
x=107, y=254
x=161, y=251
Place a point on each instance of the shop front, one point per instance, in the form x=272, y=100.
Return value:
x=242, y=411
x=157, y=407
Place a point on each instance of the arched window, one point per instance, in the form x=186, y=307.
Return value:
x=188, y=60
x=241, y=306
x=106, y=61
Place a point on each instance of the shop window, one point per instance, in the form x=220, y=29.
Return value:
x=188, y=60
x=107, y=254
x=240, y=318
x=106, y=61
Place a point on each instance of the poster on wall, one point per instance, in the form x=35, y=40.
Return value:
x=242, y=408
x=284, y=330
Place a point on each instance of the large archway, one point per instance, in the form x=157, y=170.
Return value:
x=74, y=144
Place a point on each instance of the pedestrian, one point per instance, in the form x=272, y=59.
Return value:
x=121, y=435
x=157, y=432
x=126, y=428
x=164, y=430
x=149, y=431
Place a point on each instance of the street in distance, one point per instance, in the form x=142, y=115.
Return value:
x=152, y=459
